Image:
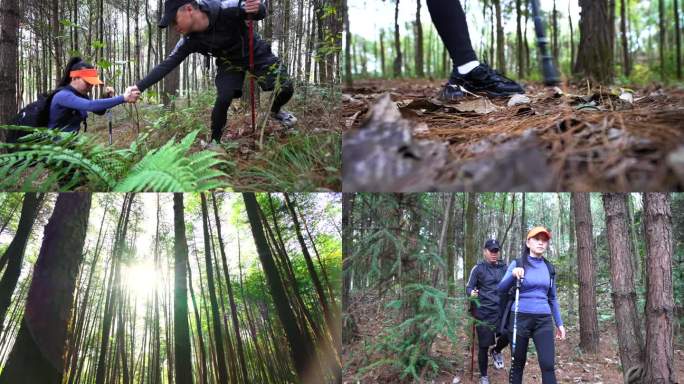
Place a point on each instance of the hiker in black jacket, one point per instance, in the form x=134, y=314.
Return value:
x=482, y=283
x=217, y=28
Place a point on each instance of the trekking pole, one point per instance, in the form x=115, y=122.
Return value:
x=137, y=119
x=549, y=72
x=109, y=123
x=250, y=26
x=472, y=352
x=515, y=320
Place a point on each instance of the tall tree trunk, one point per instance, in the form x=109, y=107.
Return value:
x=181, y=329
x=347, y=48
x=14, y=254
x=500, y=41
x=420, y=72
x=113, y=288
x=323, y=299
x=382, y=53
x=9, y=20
x=233, y=306
x=661, y=37
x=523, y=221
x=626, y=65
x=449, y=245
x=56, y=36
x=595, y=53
x=519, y=39
x=470, y=246
x=678, y=40
x=397, y=42
x=555, y=33
x=38, y=352
x=349, y=327
x=302, y=351
x=216, y=316
x=589, y=336
x=572, y=39
x=172, y=80
x=659, y=367
x=622, y=281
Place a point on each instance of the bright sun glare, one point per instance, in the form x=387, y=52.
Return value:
x=141, y=279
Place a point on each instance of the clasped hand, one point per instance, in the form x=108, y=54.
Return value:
x=131, y=95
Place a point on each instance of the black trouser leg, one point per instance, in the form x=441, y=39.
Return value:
x=501, y=343
x=283, y=95
x=519, y=356
x=450, y=22
x=225, y=91
x=219, y=116
x=543, y=341
x=483, y=359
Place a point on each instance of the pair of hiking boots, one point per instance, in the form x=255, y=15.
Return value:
x=482, y=80
x=498, y=364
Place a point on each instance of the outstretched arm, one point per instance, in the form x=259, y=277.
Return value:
x=70, y=100
x=108, y=92
x=182, y=50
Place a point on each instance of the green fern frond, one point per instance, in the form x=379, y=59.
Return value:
x=169, y=169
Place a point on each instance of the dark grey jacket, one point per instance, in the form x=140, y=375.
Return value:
x=485, y=277
x=225, y=39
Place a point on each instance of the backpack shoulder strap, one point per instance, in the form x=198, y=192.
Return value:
x=552, y=274
x=519, y=263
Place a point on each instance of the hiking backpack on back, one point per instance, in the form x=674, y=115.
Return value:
x=36, y=114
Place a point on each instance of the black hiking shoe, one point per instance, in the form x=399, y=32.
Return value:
x=486, y=81
x=451, y=92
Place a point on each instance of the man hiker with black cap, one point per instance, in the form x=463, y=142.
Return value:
x=482, y=283
x=468, y=72
x=218, y=29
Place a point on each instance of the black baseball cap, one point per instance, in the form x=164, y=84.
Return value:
x=170, y=9
x=492, y=245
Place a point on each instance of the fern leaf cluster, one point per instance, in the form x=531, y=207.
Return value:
x=48, y=160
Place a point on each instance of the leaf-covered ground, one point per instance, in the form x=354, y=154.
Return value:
x=304, y=159
x=576, y=137
x=572, y=366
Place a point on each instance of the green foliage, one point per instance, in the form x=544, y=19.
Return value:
x=170, y=169
x=47, y=160
x=407, y=344
x=305, y=162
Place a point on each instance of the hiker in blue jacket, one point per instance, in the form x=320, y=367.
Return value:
x=482, y=283
x=70, y=104
x=538, y=307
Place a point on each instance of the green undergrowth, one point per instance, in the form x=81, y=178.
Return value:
x=46, y=160
x=306, y=162
x=168, y=153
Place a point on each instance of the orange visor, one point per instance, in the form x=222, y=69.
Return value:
x=537, y=230
x=88, y=75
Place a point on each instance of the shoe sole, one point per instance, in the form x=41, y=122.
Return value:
x=492, y=94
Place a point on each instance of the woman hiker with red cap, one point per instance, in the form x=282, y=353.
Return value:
x=537, y=307
x=70, y=104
